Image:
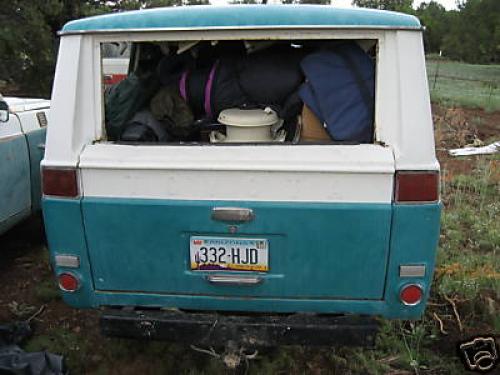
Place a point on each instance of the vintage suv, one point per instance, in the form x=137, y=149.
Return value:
x=23, y=125
x=260, y=243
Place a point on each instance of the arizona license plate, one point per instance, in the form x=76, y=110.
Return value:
x=229, y=254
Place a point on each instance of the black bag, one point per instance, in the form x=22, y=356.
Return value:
x=124, y=99
x=270, y=76
x=264, y=78
x=143, y=127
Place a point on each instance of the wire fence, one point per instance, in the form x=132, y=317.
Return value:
x=465, y=84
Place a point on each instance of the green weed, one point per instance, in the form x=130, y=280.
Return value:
x=47, y=291
x=468, y=256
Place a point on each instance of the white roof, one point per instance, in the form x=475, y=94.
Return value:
x=26, y=104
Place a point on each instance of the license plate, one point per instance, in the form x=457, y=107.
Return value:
x=229, y=254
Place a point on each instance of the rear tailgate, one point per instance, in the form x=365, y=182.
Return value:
x=324, y=213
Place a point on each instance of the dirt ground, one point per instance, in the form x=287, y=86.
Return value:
x=458, y=127
x=27, y=289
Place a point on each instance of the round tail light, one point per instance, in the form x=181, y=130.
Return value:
x=411, y=294
x=68, y=282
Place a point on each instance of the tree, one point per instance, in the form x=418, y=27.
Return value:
x=436, y=21
x=319, y=2
x=474, y=32
x=28, y=39
x=244, y=2
x=395, y=5
x=28, y=35
x=27, y=43
x=121, y=5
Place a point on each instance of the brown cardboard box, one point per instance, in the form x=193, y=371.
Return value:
x=312, y=128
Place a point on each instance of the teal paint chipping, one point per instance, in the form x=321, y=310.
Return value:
x=143, y=245
x=15, y=193
x=66, y=235
x=246, y=16
x=123, y=245
x=36, y=143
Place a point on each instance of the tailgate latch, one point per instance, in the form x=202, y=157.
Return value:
x=232, y=214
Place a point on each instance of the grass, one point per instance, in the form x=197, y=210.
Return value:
x=47, y=291
x=469, y=253
x=468, y=274
x=456, y=83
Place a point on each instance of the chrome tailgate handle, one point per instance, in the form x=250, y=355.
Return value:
x=232, y=214
x=234, y=280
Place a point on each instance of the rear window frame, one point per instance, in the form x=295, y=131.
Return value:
x=277, y=33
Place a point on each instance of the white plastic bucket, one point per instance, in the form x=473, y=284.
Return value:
x=248, y=125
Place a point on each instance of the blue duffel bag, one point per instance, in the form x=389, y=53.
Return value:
x=340, y=90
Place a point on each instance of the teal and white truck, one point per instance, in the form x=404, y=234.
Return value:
x=236, y=238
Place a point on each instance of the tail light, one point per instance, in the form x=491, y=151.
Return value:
x=60, y=182
x=414, y=186
x=411, y=294
x=68, y=282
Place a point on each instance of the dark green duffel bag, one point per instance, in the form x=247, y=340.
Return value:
x=126, y=98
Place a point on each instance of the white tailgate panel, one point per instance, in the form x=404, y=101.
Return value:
x=359, y=173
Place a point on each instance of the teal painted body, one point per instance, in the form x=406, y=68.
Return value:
x=243, y=16
x=15, y=194
x=144, y=246
x=328, y=258
x=36, y=144
x=20, y=185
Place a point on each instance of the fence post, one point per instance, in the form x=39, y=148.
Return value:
x=436, y=75
x=492, y=87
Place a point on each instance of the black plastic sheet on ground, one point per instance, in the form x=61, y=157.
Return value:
x=14, y=360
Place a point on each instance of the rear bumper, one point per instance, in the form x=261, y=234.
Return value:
x=246, y=330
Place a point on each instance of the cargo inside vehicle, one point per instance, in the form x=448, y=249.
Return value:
x=239, y=91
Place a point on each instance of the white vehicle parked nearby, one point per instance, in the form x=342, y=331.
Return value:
x=115, y=61
x=23, y=124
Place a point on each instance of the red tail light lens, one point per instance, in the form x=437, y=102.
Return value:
x=417, y=186
x=411, y=294
x=60, y=182
x=68, y=282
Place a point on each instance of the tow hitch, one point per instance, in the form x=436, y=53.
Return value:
x=232, y=356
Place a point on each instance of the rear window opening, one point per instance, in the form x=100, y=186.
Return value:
x=239, y=92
